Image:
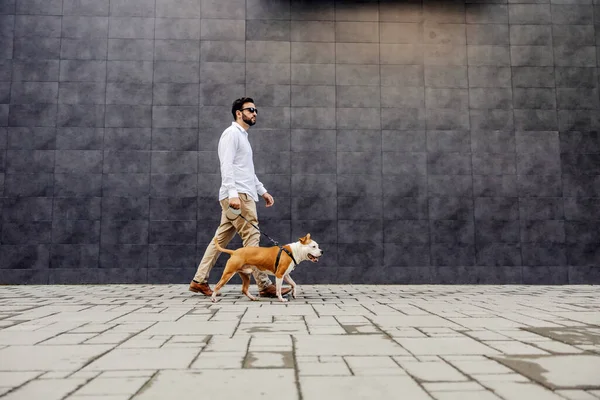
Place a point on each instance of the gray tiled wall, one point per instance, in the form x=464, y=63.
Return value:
x=418, y=142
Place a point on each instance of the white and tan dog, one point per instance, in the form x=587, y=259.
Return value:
x=264, y=258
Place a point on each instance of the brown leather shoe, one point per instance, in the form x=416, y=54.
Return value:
x=200, y=288
x=271, y=291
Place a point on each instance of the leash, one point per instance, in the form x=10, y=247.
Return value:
x=238, y=213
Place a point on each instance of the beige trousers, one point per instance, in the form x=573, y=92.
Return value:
x=226, y=231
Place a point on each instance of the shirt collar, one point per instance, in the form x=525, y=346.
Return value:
x=239, y=127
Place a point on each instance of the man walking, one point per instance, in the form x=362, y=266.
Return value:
x=240, y=189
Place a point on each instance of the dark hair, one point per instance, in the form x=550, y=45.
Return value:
x=239, y=104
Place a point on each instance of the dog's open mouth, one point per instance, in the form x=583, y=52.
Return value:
x=313, y=258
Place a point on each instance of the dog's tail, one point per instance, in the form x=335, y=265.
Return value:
x=221, y=249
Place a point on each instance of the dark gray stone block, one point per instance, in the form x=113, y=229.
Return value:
x=268, y=30
x=79, y=138
x=30, y=138
x=134, y=8
x=164, y=257
x=30, y=259
x=69, y=185
x=98, y=8
x=176, y=185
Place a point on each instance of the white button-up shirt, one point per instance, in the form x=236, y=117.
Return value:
x=237, y=166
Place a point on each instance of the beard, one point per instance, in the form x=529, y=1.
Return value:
x=249, y=121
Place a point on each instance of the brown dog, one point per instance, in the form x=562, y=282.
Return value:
x=243, y=259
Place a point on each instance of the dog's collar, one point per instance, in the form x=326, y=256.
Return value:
x=281, y=248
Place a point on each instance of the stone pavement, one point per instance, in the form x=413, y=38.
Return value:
x=120, y=342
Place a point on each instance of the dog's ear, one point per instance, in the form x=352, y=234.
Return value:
x=305, y=239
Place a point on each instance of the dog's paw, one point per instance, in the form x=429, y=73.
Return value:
x=213, y=299
x=283, y=300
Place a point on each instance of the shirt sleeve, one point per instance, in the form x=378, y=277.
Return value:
x=227, y=148
x=260, y=188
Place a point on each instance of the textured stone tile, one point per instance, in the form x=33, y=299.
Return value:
x=218, y=381
x=444, y=346
x=55, y=358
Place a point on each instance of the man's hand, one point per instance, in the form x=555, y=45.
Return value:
x=268, y=199
x=234, y=202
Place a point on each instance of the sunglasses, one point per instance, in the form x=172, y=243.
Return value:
x=251, y=109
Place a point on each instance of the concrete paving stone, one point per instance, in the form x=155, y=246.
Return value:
x=55, y=375
x=576, y=394
x=499, y=377
x=326, y=330
x=329, y=359
x=277, y=309
x=431, y=371
x=403, y=332
x=120, y=359
x=579, y=335
x=144, y=316
x=47, y=389
x=225, y=344
x=521, y=391
x=112, y=386
x=523, y=334
x=480, y=367
x=6, y=324
x=284, y=328
x=101, y=397
x=13, y=379
x=49, y=358
x=418, y=321
x=360, y=387
x=38, y=313
x=558, y=371
x=373, y=366
x=352, y=320
x=478, y=395
x=142, y=343
x=109, y=338
x=370, y=362
x=193, y=328
x=557, y=347
x=15, y=338
x=85, y=374
x=361, y=329
x=214, y=360
x=484, y=335
x=286, y=318
x=87, y=316
x=132, y=327
x=128, y=373
x=587, y=318
x=270, y=340
x=444, y=346
x=327, y=309
x=311, y=368
x=251, y=384
x=486, y=322
x=427, y=358
x=321, y=321
x=282, y=359
x=189, y=339
x=68, y=338
x=313, y=359
x=515, y=348
x=452, y=386
x=347, y=345
x=92, y=328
